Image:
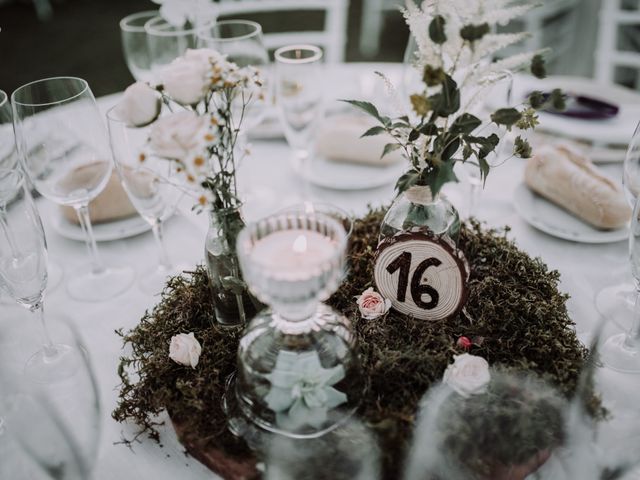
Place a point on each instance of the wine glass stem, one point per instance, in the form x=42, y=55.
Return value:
x=158, y=234
x=85, y=223
x=38, y=309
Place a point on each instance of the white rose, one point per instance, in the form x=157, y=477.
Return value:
x=179, y=136
x=372, y=305
x=468, y=375
x=205, y=55
x=140, y=105
x=186, y=79
x=185, y=349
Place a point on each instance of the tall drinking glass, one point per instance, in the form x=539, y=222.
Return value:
x=150, y=183
x=135, y=46
x=167, y=42
x=23, y=269
x=300, y=97
x=241, y=41
x=9, y=160
x=621, y=352
x=72, y=177
x=616, y=302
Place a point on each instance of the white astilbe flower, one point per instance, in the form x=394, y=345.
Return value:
x=456, y=53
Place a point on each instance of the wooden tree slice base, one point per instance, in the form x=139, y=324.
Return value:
x=216, y=460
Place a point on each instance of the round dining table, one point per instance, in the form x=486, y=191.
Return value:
x=269, y=183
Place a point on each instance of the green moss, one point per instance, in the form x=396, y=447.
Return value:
x=514, y=313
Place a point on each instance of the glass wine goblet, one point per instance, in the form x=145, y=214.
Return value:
x=298, y=371
x=242, y=43
x=72, y=177
x=23, y=270
x=621, y=352
x=153, y=186
x=55, y=422
x=135, y=46
x=167, y=42
x=616, y=302
x=300, y=98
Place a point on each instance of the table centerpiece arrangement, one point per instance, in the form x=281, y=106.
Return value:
x=426, y=301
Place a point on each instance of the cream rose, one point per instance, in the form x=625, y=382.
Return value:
x=140, y=105
x=468, y=375
x=179, y=136
x=372, y=305
x=186, y=80
x=185, y=349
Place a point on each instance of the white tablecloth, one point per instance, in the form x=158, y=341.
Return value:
x=270, y=183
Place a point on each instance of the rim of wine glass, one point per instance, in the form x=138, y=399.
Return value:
x=207, y=28
x=124, y=23
x=153, y=30
x=3, y=98
x=317, y=54
x=82, y=81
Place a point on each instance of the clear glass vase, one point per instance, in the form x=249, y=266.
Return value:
x=417, y=210
x=233, y=303
x=299, y=374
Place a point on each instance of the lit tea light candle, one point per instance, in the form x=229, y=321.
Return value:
x=293, y=253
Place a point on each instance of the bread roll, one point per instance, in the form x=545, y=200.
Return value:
x=339, y=140
x=572, y=182
x=111, y=204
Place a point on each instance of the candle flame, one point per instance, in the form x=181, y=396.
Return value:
x=300, y=244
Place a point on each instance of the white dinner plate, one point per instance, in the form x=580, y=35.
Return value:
x=104, y=232
x=349, y=176
x=553, y=220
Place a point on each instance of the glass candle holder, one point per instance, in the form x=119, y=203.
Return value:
x=297, y=363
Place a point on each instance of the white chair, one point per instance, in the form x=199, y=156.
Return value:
x=332, y=39
x=608, y=56
x=551, y=25
x=371, y=23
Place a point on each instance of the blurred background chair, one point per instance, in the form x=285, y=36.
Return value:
x=332, y=38
x=618, y=53
x=371, y=23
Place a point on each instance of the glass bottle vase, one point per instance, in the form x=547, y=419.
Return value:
x=417, y=210
x=234, y=305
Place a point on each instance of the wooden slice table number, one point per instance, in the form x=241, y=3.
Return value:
x=423, y=276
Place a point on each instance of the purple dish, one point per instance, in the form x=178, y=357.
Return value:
x=585, y=108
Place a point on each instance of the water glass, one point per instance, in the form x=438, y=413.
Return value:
x=135, y=46
x=167, y=42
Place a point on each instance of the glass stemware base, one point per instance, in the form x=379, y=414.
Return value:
x=85, y=285
x=621, y=354
x=52, y=363
x=616, y=303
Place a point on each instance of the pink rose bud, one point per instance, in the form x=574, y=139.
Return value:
x=464, y=343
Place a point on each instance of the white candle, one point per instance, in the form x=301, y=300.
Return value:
x=293, y=252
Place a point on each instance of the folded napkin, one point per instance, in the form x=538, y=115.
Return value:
x=572, y=182
x=111, y=204
x=339, y=140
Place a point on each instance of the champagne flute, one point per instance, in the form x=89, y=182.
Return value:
x=242, y=43
x=150, y=183
x=299, y=95
x=167, y=42
x=135, y=45
x=9, y=160
x=621, y=352
x=617, y=301
x=55, y=422
x=23, y=269
x=73, y=177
